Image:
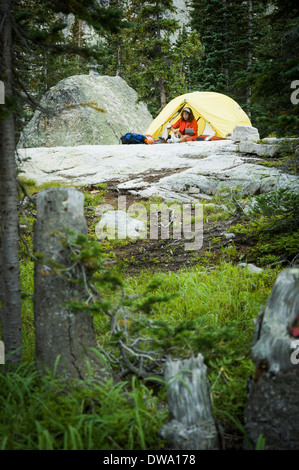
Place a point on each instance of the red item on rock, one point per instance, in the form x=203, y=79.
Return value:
x=295, y=331
x=295, y=328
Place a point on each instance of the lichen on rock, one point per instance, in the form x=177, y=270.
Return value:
x=86, y=110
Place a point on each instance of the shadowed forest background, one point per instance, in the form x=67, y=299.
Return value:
x=247, y=50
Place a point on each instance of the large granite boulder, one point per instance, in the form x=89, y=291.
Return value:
x=86, y=110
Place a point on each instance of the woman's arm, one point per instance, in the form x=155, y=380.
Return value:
x=176, y=131
x=176, y=128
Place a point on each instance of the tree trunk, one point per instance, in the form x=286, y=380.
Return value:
x=9, y=260
x=192, y=425
x=162, y=93
x=161, y=79
x=80, y=33
x=59, y=331
x=249, y=53
x=272, y=401
x=225, y=47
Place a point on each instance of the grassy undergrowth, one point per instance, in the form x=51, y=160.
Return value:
x=46, y=413
x=212, y=314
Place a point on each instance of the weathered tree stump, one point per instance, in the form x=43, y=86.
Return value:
x=272, y=403
x=193, y=426
x=59, y=330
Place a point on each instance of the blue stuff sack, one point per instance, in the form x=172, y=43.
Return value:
x=132, y=138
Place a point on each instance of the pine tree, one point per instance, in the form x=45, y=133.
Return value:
x=20, y=37
x=251, y=54
x=152, y=63
x=190, y=49
x=113, y=47
x=46, y=56
x=10, y=290
x=223, y=28
x=275, y=69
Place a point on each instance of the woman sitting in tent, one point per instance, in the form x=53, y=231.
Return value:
x=186, y=121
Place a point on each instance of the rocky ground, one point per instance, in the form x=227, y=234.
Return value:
x=212, y=173
x=182, y=172
x=170, y=254
x=189, y=173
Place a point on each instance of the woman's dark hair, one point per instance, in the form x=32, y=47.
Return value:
x=191, y=115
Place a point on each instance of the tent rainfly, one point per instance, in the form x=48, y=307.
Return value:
x=211, y=110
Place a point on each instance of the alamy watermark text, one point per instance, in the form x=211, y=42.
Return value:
x=2, y=353
x=2, y=93
x=295, y=94
x=177, y=221
x=295, y=354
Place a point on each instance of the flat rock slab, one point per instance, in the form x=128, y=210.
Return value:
x=268, y=150
x=91, y=164
x=206, y=167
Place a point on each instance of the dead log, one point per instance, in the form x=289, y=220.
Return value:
x=272, y=401
x=59, y=331
x=193, y=426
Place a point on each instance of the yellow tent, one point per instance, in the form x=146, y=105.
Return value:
x=219, y=111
